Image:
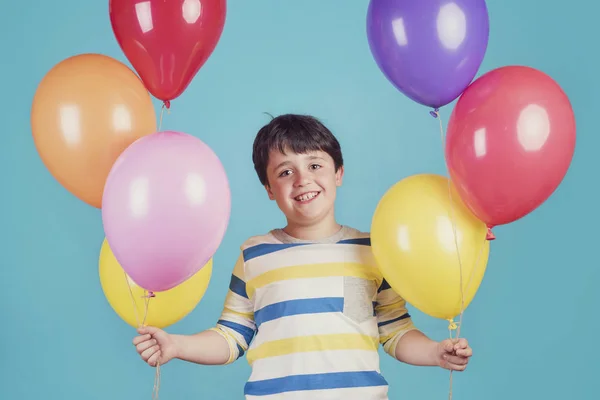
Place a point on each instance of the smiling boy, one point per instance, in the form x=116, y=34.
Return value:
x=306, y=303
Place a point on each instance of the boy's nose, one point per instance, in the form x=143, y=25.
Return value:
x=301, y=180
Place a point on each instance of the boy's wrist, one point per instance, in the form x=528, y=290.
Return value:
x=415, y=348
x=434, y=354
x=177, y=345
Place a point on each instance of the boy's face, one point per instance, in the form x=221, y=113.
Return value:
x=303, y=185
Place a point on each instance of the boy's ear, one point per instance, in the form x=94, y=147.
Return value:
x=339, y=175
x=269, y=192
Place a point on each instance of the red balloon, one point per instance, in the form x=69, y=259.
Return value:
x=167, y=42
x=510, y=141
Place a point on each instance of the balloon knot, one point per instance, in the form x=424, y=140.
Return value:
x=490, y=235
x=150, y=295
x=167, y=104
x=452, y=325
x=435, y=113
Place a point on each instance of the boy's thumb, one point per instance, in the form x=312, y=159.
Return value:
x=147, y=329
x=448, y=346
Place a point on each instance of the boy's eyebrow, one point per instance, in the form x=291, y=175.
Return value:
x=281, y=165
x=287, y=162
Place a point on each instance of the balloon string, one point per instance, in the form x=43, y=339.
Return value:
x=456, y=326
x=452, y=325
x=162, y=111
x=147, y=296
x=436, y=113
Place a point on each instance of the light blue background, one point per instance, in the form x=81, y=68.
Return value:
x=534, y=324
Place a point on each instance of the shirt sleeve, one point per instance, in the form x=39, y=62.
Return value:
x=393, y=319
x=236, y=323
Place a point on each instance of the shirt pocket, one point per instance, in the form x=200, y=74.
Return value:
x=358, y=298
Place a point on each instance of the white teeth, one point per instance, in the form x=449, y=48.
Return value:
x=306, y=196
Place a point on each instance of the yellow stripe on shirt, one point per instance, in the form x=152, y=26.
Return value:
x=351, y=341
x=400, y=304
x=312, y=271
x=248, y=315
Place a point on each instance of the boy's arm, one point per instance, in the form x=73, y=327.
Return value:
x=236, y=325
x=404, y=342
x=415, y=348
x=400, y=338
x=206, y=348
x=233, y=333
x=223, y=344
x=393, y=319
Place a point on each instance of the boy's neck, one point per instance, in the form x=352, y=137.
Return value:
x=317, y=231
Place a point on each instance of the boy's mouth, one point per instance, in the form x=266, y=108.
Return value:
x=306, y=197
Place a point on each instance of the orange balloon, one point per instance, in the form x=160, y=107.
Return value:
x=86, y=111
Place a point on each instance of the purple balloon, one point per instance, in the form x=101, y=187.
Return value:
x=430, y=50
x=165, y=208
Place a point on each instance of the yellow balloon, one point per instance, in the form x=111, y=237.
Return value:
x=413, y=241
x=165, y=309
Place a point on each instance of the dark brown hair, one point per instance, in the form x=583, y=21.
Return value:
x=298, y=133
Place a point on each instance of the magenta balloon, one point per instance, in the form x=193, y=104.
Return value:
x=165, y=208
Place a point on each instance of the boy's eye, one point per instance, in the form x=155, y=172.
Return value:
x=315, y=166
x=285, y=173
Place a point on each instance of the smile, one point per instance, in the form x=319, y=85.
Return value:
x=304, y=197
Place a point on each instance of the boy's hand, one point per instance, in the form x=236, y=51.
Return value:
x=454, y=354
x=154, y=345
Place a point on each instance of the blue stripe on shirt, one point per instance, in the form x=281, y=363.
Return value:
x=267, y=248
x=359, y=241
x=299, y=306
x=240, y=351
x=238, y=286
x=247, y=333
x=384, y=286
x=333, y=380
x=391, y=321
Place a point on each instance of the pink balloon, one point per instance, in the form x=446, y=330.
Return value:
x=165, y=208
x=510, y=141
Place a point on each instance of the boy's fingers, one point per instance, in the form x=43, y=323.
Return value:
x=461, y=344
x=154, y=359
x=456, y=360
x=147, y=329
x=448, y=346
x=145, y=345
x=142, y=338
x=149, y=352
x=468, y=352
x=456, y=367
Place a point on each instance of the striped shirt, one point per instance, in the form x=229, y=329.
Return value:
x=310, y=317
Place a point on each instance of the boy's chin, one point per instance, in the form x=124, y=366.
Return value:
x=307, y=219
